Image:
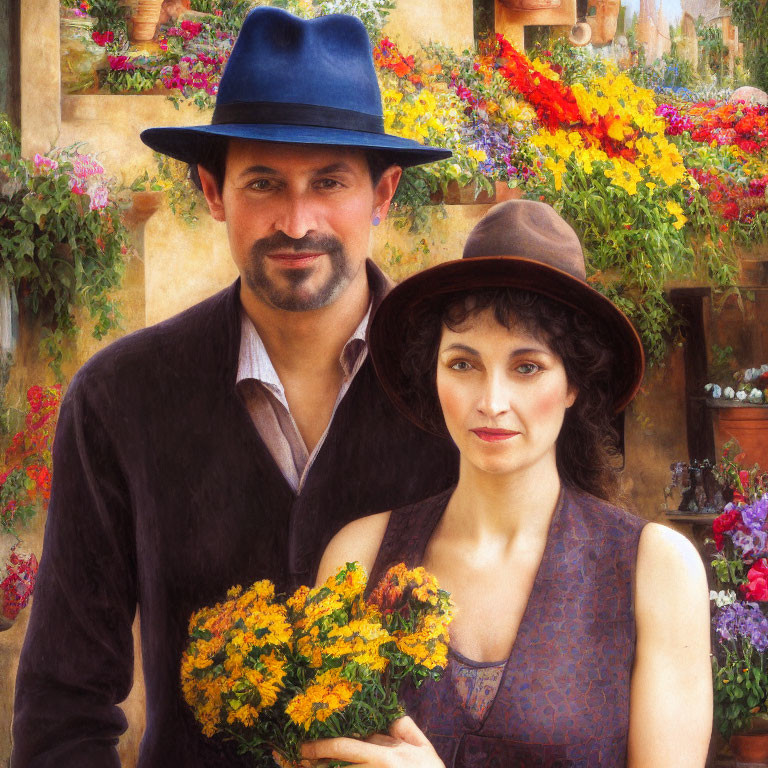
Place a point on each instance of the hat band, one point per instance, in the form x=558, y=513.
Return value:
x=282, y=113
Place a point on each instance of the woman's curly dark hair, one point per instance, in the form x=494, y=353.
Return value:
x=587, y=447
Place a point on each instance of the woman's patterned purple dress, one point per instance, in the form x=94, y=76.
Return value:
x=563, y=697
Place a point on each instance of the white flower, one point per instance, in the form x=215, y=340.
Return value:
x=741, y=395
x=755, y=396
x=728, y=393
x=723, y=597
x=751, y=374
x=716, y=391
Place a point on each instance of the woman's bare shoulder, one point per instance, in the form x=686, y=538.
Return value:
x=670, y=573
x=359, y=540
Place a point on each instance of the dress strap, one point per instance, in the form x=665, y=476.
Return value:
x=408, y=532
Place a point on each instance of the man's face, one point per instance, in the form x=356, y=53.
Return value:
x=298, y=218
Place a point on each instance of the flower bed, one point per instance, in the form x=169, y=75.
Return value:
x=656, y=191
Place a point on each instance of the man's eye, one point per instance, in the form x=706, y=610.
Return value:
x=328, y=184
x=527, y=368
x=262, y=185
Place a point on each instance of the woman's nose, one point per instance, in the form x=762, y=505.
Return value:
x=495, y=394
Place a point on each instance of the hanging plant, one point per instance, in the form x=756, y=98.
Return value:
x=62, y=239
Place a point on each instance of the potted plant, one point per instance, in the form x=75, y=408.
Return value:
x=739, y=405
x=62, y=239
x=740, y=566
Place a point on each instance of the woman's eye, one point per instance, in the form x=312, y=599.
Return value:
x=527, y=368
x=461, y=365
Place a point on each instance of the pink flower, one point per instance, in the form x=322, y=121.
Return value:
x=44, y=164
x=76, y=186
x=120, y=63
x=84, y=166
x=99, y=198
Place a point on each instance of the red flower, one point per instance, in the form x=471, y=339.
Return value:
x=725, y=522
x=120, y=63
x=757, y=582
x=103, y=38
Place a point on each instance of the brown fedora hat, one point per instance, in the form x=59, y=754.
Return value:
x=519, y=244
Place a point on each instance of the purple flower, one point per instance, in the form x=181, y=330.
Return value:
x=754, y=515
x=743, y=620
x=750, y=545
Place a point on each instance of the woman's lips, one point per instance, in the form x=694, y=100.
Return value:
x=494, y=435
x=295, y=259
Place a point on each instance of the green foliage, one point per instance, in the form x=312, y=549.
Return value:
x=110, y=14
x=134, y=81
x=721, y=363
x=578, y=65
x=61, y=250
x=740, y=688
x=172, y=178
x=373, y=13
x=751, y=17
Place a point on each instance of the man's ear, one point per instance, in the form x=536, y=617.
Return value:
x=212, y=193
x=385, y=189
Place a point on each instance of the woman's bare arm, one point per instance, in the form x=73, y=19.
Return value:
x=671, y=697
x=359, y=540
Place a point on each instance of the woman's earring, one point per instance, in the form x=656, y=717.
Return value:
x=376, y=220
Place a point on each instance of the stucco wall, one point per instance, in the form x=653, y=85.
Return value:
x=176, y=265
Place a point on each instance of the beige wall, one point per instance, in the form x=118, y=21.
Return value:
x=421, y=21
x=176, y=266
x=511, y=23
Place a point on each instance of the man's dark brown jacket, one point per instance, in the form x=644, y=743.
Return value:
x=164, y=496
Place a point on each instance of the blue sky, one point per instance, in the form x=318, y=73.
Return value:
x=672, y=9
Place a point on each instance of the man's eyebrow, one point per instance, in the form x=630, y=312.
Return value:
x=341, y=166
x=265, y=169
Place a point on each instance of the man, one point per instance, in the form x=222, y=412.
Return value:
x=229, y=443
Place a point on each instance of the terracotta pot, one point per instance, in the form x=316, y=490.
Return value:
x=603, y=20
x=145, y=19
x=750, y=747
x=505, y=192
x=456, y=195
x=144, y=205
x=530, y=5
x=748, y=424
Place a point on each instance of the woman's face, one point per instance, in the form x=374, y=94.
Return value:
x=503, y=393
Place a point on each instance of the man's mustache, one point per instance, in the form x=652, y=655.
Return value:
x=310, y=243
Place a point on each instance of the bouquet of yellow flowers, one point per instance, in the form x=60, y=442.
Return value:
x=270, y=673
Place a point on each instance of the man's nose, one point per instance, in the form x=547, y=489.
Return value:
x=495, y=394
x=297, y=216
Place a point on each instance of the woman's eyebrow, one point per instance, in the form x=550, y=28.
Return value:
x=461, y=348
x=514, y=353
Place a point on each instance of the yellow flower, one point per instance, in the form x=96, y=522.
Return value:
x=349, y=582
x=359, y=641
x=327, y=694
x=676, y=211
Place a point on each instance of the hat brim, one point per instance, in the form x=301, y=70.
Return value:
x=190, y=143
x=387, y=329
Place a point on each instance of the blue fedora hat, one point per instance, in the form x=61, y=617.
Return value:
x=296, y=81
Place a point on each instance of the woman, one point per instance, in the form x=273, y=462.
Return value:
x=581, y=635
